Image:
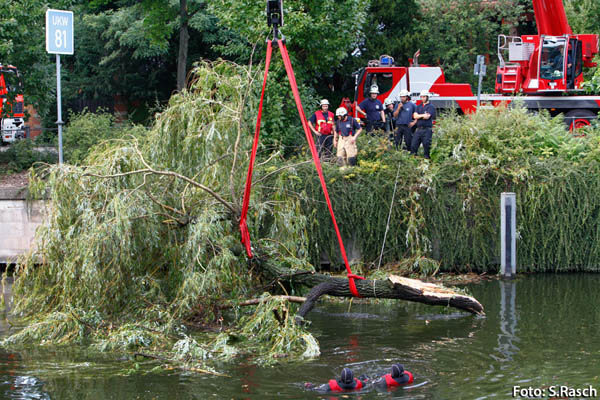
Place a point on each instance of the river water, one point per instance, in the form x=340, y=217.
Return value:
x=539, y=331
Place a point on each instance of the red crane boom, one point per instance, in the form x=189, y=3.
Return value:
x=550, y=18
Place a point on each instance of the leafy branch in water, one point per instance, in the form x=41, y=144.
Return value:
x=143, y=235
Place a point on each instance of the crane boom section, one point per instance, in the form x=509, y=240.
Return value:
x=550, y=18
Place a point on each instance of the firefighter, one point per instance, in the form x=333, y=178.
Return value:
x=347, y=382
x=373, y=110
x=323, y=126
x=424, y=115
x=346, y=132
x=398, y=377
x=347, y=104
x=404, y=120
x=390, y=124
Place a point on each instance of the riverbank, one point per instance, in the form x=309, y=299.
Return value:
x=448, y=209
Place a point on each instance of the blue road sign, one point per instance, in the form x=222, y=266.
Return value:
x=59, y=32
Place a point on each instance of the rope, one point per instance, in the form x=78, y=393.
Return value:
x=243, y=225
x=387, y=227
x=315, y=155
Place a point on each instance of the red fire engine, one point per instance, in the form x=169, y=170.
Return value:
x=12, y=126
x=544, y=71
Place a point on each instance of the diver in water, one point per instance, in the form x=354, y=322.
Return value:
x=398, y=377
x=347, y=382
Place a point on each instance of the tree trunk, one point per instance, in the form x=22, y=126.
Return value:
x=184, y=38
x=394, y=287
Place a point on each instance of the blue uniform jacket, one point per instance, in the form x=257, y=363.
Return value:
x=348, y=127
x=373, y=108
x=427, y=108
x=405, y=116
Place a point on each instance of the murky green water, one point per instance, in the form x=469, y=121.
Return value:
x=539, y=331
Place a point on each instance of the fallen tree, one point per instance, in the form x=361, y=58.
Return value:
x=144, y=239
x=395, y=287
x=142, y=242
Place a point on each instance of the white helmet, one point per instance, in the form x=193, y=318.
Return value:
x=404, y=92
x=340, y=112
x=374, y=89
x=387, y=102
x=425, y=92
x=324, y=102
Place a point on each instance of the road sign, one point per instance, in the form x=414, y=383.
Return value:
x=59, y=40
x=480, y=70
x=480, y=67
x=59, y=32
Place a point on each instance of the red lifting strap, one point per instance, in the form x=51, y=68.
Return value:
x=243, y=226
x=315, y=156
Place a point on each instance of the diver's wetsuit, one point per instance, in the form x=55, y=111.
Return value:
x=347, y=382
x=404, y=379
x=398, y=377
x=337, y=386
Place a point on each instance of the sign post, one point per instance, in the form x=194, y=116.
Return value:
x=480, y=70
x=59, y=40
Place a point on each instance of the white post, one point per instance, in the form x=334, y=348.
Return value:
x=59, y=121
x=508, y=234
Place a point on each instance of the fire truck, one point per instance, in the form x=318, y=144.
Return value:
x=543, y=71
x=12, y=113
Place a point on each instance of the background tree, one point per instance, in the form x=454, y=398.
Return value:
x=452, y=34
x=22, y=45
x=583, y=15
x=141, y=50
x=320, y=35
x=160, y=20
x=132, y=49
x=389, y=28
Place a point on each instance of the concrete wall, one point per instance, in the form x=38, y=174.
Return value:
x=18, y=221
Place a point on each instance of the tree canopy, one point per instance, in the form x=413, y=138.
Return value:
x=142, y=50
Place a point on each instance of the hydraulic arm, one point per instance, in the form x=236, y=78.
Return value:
x=550, y=18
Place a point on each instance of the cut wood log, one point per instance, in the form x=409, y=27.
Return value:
x=394, y=287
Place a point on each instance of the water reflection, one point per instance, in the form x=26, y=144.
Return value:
x=508, y=322
x=15, y=386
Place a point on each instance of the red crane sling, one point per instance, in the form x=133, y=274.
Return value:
x=313, y=150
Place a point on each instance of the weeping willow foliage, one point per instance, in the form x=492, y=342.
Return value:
x=446, y=213
x=135, y=247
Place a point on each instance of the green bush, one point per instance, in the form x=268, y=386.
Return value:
x=448, y=208
x=21, y=155
x=84, y=131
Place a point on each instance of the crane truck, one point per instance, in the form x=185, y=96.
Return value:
x=544, y=71
x=12, y=112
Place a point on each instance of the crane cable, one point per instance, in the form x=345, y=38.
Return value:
x=387, y=227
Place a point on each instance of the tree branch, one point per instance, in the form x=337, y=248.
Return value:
x=253, y=302
x=173, y=174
